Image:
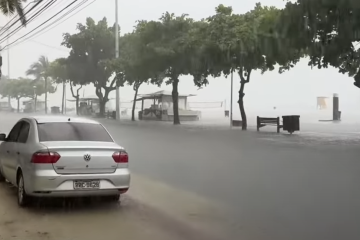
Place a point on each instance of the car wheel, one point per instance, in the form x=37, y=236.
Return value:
x=112, y=198
x=2, y=178
x=23, y=198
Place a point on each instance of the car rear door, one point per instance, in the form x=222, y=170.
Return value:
x=22, y=153
x=9, y=151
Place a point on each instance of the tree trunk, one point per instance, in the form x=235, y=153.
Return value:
x=63, y=98
x=243, y=81
x=46, y=92
x=18, y=105
x=137, y=86
x=175, y=98
x=103, y=98
x=77, y=97
x=9, y=101
x=102, y=104
x=241, y=106
x=35, y=103
x=77, y=105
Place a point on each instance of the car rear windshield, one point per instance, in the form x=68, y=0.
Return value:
x=72, y=131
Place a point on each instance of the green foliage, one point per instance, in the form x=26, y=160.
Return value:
x=92, y=56
x=241, y=43
x=173, y=46
x=168, y=40
x=137, y=63
x=39, y=69
x=10, y=7
x=5, y=87
x=23, y=87
x=58, y=71
x=39, y=85
x=326, y=30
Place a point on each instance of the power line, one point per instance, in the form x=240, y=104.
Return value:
x=34, y=16
x=29, y=20
x=24, y=14
x=49, y=46
x=61, y=17
x=40, y=32
x=13, y=18
x=63, y=49
x=58, y=5
x=41, y=24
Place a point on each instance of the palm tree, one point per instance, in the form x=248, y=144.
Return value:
x=41, y=69
x=58, y=73
x=9, y=7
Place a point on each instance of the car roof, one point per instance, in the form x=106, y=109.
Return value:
x=52, y=119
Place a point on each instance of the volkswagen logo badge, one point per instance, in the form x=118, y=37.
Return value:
x=87, y=157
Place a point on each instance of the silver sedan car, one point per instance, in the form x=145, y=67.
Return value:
x=57, y=156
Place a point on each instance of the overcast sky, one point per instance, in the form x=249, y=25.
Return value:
x=291, y=92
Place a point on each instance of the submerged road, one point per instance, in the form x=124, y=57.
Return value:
x=192, y=183
x=274, y=186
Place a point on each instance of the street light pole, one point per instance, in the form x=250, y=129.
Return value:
x=35, y=99
x=231, y=99
x=117, y=56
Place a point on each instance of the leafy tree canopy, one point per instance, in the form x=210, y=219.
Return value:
x=58, y=70
x=327, y=30
x=22, y=87
x=9, y=7
x=92, y=57
x=168, y=39
x=138, y=62
x=243, y=43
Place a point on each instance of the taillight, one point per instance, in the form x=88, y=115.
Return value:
x=120, y=157
x=45, y=157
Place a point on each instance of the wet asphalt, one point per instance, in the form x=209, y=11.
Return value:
x=273, y=186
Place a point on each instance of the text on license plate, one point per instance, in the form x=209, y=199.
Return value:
x=93, y=184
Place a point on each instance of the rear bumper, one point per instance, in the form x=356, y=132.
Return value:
x=47, y=183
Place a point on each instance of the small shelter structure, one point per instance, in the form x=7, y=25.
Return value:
x=161, y=107
x=5, y=106
x=31, y=105
x=88, y=106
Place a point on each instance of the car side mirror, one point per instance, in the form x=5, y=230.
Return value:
x=2, y=137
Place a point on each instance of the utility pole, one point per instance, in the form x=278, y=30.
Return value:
x=8, y=53
x=117, y=56
x=8, y=60
x=231, y=99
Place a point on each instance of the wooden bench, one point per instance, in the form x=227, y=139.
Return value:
x=262, y=122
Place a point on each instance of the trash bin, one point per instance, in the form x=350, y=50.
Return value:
x=291, y=123
x=55, y=110
x=140, y=115
x=339, y=116
x=113, y=114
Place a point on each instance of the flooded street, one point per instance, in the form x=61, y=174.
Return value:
x=133, y=218
x=214, y=184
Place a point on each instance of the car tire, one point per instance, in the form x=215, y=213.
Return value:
x=113, y=198
x=2, y=178
x=22, y=197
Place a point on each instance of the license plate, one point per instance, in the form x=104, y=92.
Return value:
x=93, y=184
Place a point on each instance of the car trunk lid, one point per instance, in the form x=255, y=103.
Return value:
x=83, y=157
